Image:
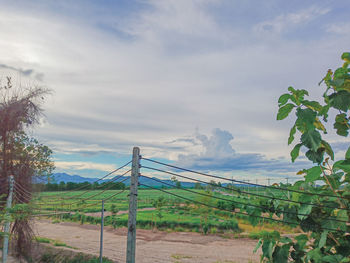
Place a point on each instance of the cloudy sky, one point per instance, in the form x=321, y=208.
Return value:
x=191, y=82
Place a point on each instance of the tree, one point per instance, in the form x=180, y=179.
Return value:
x=326, y=228
x=177, y=182
x=158, y=204
x=20, y=155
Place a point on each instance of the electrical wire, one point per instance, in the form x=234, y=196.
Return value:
x=239, y=181
x=236, y=212
x=100, y=186
x=89, y=197
x=232, y=201
x=87, y=205
x=84, y=186
x=244, y=192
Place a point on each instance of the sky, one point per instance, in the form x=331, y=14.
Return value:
x=191, y=82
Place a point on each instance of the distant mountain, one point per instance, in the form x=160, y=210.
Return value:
x=64, y=177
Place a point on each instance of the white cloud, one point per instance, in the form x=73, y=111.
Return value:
x=181, y=69
x=217, y=154
x=341, y=29
x=64, y=166
x=284, y=22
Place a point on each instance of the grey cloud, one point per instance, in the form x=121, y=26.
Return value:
x=25, y=72
x=218, y=155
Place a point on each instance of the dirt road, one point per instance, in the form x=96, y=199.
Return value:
x=151, y=246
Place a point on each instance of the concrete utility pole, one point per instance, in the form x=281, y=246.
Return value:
x=102, y=223
x=135, y=170
x=7, y=223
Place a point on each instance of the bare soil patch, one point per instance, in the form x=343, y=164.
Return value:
x=152, y=246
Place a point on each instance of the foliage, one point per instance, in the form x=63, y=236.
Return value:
x=62, y=257
x=326, y=237
x=158, y=204
x=69, y=186
x=114, y=209
x=20, y=155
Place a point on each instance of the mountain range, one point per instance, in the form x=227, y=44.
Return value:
x=64, y=177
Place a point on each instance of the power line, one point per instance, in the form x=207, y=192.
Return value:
x=232, y=201
x=18, y=186
x=100, y=186
x=84, y=186
x=239, y=181
x=244, y=192
x=87, y=205
x=89, y=197
x=236, y=212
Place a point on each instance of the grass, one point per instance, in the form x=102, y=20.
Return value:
x=59, y=244
x=43, y=240
x=53, y=242
x=180, y=256
x=58, y=257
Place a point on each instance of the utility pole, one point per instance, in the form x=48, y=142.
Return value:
x=131, y=242
x=7, y=223
x=102, y=223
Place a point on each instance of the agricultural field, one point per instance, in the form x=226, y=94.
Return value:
x=208, y=213
x=189, y=217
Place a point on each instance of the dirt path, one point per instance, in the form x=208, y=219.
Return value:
x=151, y=246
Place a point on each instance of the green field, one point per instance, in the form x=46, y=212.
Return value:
x=173, y=213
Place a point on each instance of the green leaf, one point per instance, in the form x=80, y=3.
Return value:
x=342, y=128
x=332, y=259
x=323, y=239
x=291, y=134
x=258, y=245
x=340, y=100
x=328, y=148
x=315, y=255
x=343, y=165
x=280, y=254
x=311, y=139
x=315, y=157
x=306, y=119
x=295, y=152
x=283, y=99
x=324, y=111
x=302, y=240
x=285, y=240
x=313, y=174
x=304, y=210
x=347, y=154
x=342, y=215
x=314, y=105
x=346, y=56
x=267, y=248
x=284, y=111
x=291, y=89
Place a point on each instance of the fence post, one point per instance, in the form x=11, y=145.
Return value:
x=135, y=170
x=7, y=222
x=102, y=224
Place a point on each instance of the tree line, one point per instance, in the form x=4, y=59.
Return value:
x=69, y=186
